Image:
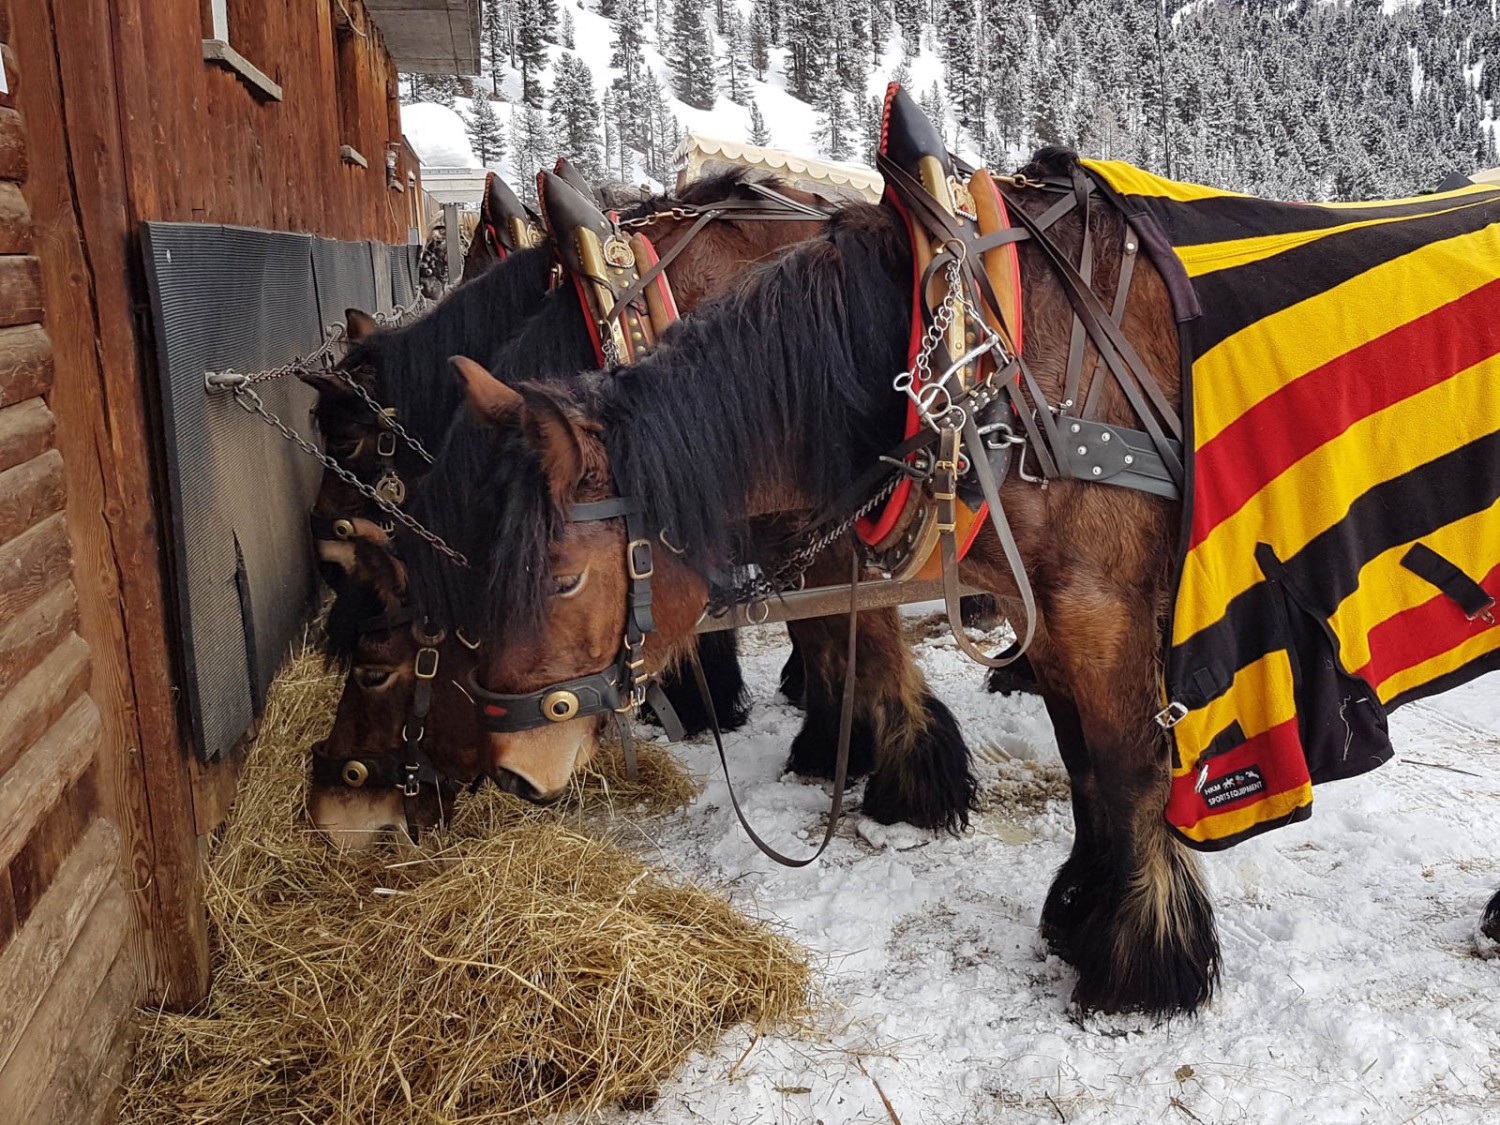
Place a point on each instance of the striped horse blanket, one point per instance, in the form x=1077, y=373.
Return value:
x=1340, y=548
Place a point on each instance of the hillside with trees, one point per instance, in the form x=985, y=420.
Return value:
x=1301, y=100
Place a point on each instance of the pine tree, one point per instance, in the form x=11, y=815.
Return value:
x=531, y=48
x=870, y=128
x=485, y=132
x=834, y=123
x=959, y=31
x=759, y=134
x=760, y=39
x=493, y=40
x=932, y=105
x=737, y=57
x=810, y=42
x=531, y=148
x=663, y=132
x=574, y=116
x=690, y=53
x=567, y=36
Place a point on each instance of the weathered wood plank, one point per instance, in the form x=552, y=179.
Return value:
x=20, y=289
x=25, y=362
x=85, y=215
x=13, y=162
x=90, y=1078
x=41, y=697
x=35, y=783
x=36, y=865
x=29, y=1071
x=31, y=962
x=7, y=912
x=32, y=563
x=15, y=221
x=28, y=637
x=25, y=432
x=31, y=492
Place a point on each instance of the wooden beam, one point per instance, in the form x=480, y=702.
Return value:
x=32, y=961
x=20, y=289
x=32, y=563
x=26, y=638
x=25, y=432
x=31, y=492
x=84, y=212
x=25, y=363
x=15, y=221
x=33, y=785
x=33, y=1064
x=14, y=164
x=39, y=700
x=90, y=1077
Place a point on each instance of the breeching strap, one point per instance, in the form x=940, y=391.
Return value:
x=846, y=727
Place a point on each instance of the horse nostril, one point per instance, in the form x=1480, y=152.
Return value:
x=517, y=786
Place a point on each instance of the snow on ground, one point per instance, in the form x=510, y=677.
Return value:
x=1354, y=988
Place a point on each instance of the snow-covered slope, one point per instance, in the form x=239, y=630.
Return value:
x=438, y=135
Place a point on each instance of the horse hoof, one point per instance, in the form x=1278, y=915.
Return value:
x=1013, y=679
x=815, y=749
x=930, y=784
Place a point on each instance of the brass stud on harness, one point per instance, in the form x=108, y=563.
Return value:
x=344, y=529
x=355, y=774
x=391, y=489
x=559, y=706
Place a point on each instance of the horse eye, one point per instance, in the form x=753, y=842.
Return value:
x=566, y=584
x=371, y=677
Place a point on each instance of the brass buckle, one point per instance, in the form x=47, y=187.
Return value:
x=385, y=443
x=636, y=572
x=425, y=666
x=559, y=706
x=472, y=646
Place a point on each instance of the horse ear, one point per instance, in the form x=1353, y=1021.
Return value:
x=489, y=397
x=554, y=436
x=358, y=325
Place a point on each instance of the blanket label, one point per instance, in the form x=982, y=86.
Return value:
x=1235, y=786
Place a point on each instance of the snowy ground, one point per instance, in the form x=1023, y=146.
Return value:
x=1354, y=989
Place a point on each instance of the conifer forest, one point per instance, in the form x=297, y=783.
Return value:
x=1299, y=100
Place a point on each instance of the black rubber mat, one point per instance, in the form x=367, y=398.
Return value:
x=248, y=300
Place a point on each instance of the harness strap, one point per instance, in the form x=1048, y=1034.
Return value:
x=1117, y=313
x=1119, y=354
x=841, y=760
x=1079, y=338
x=948, y=545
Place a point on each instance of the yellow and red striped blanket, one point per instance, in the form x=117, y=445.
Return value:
x=1341, y=535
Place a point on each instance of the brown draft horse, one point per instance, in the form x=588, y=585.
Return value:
x=814, y=340
x=903, y=733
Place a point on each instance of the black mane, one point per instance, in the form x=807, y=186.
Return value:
x=790, y=374
x=410, y=364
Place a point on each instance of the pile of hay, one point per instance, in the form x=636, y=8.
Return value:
x=515, y=967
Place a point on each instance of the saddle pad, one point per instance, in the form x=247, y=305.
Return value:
x=1341, y=535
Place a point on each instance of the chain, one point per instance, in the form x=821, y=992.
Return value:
x=247, y=398
x=935, y=403
x=660, y=216
x=386, y=419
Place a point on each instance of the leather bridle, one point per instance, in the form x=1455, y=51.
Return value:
x=616, y=690
x=412, y=768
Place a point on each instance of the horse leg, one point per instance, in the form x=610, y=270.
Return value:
x=1491, y=923
x=793, y=680
x=910, y=741
x=719, y=653
x=1071, y=897
x=1146, y=941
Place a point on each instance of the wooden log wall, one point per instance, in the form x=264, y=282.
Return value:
x=71, y=954
x=112, y=117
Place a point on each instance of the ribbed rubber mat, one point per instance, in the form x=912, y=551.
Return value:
x=234, y=298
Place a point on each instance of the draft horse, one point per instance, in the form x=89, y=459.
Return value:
x=903, y=733
x=761, y=409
